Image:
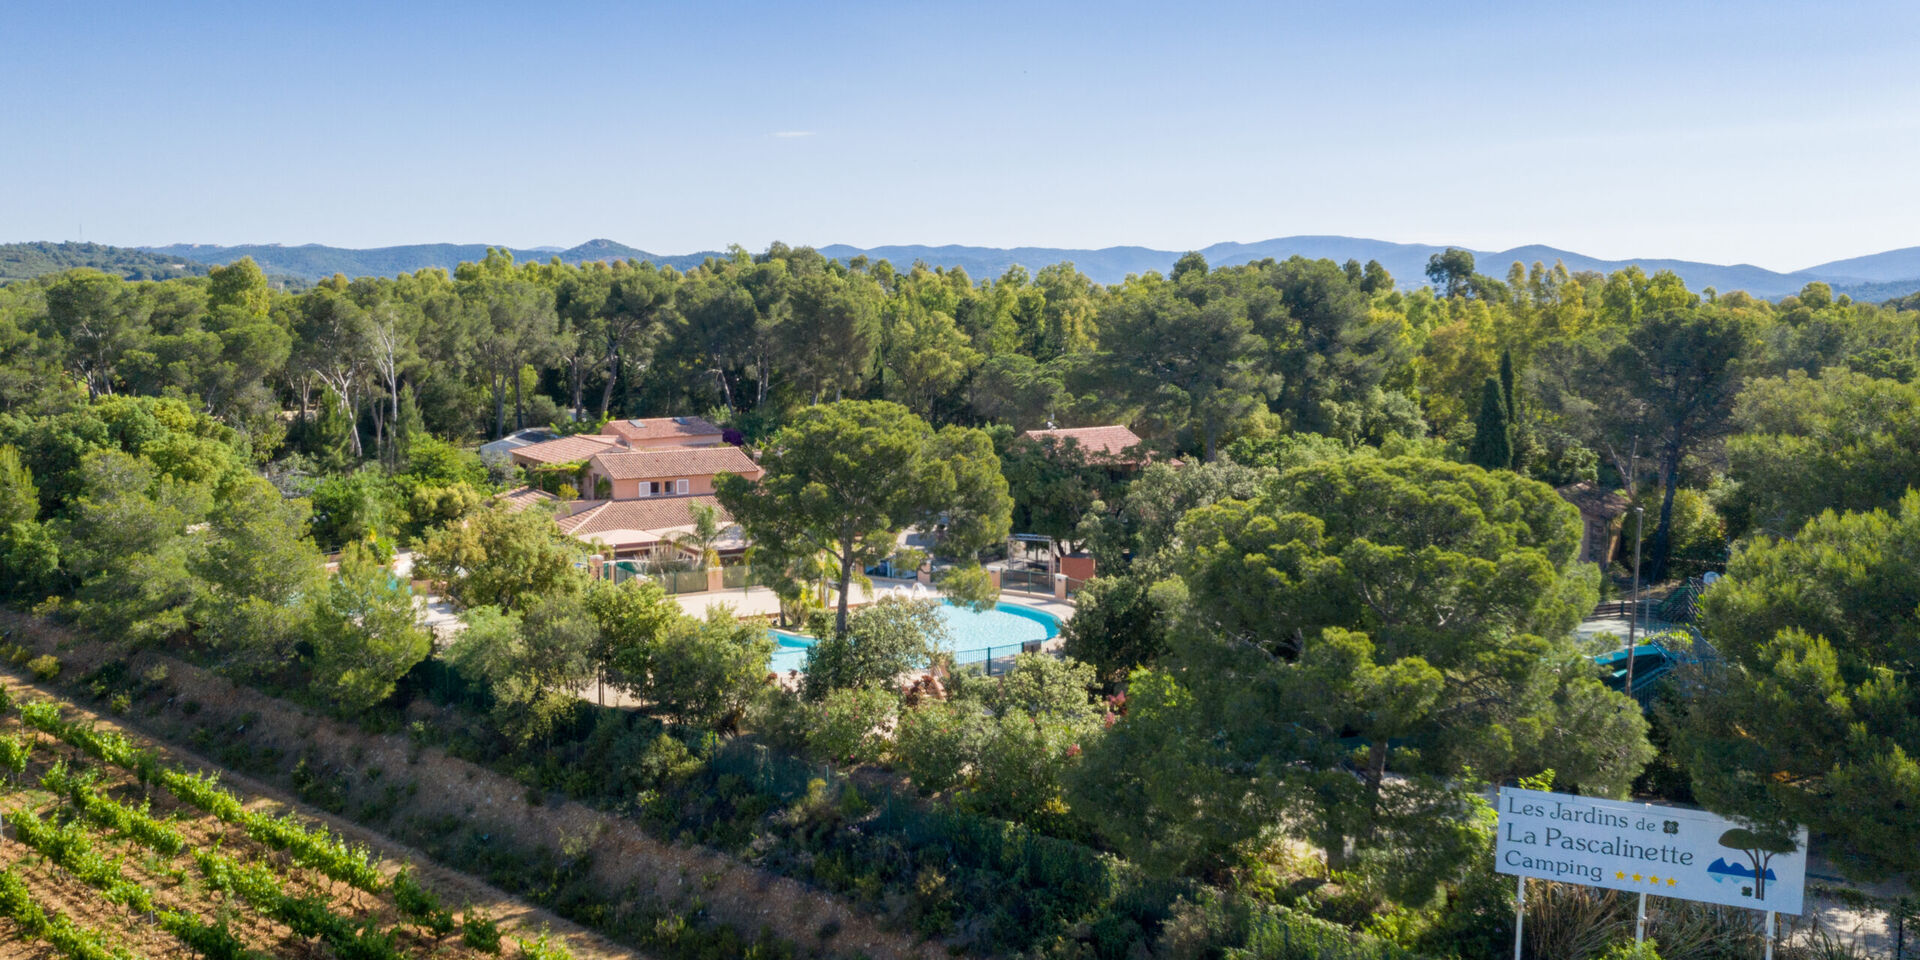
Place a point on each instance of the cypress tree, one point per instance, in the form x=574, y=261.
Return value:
x=1506, y=386
x=1492, y=434
x=407, y=426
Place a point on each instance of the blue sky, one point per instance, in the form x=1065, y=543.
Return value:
x=1771, y=133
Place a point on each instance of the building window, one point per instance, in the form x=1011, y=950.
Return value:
x=680, y=486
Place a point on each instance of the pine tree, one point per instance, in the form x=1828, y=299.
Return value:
x=1493, y=434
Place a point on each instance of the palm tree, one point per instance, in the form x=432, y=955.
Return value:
x=707, y=531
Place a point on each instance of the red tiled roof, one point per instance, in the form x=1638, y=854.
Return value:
x=647, y=513
x=1594, y=501
x=624, y=464
x=564, y=450
x=1110, y=442
x=520, y=498
x=654, y=428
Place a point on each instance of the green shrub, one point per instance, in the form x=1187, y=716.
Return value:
x=479, y=931
x=212, y=941
x=543, y=947
x=14, y=752
x=934, y=742
x=45, y=667
x=420, y=905
x=852, y=725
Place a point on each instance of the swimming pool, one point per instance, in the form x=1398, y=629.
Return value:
x=972, y=637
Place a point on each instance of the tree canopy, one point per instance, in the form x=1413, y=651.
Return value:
x=845, y=479
x=1812, y=718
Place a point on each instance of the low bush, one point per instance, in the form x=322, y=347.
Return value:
x=45, y=667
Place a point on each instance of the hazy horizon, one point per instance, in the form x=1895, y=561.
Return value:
x=1754, y=135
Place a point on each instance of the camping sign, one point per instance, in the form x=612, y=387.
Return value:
x=1642, y=848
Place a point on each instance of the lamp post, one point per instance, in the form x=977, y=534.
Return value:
x=1633, y=621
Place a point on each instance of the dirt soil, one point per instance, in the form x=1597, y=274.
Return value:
x=626, y=859
x=455, y=889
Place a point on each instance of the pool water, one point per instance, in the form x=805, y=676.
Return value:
x=972, y=637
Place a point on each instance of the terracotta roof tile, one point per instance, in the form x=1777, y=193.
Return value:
x=653, y=428
x=1592, y=500
x=566, y=449
x=647, y=513
x=1109, y=442
x=624, y=464
x=520, y=498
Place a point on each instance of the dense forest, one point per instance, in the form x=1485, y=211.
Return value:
x=1311, y=646
x=23, y=261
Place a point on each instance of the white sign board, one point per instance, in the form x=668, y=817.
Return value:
x=1642, y=848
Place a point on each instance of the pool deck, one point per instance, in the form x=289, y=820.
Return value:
x=761, y=602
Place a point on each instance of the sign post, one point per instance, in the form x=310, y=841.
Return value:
x=1642, y=848
x=1519, y=914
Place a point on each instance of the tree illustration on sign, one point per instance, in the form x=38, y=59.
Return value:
x=1760, y=849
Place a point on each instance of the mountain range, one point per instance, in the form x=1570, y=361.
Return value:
x=1876, y=276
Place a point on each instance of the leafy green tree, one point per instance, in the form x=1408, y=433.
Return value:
x=1034, y=720
x=935, y=743
x=97, y=320
x=1015, y=389
x=705, y=671
x=258, y=567
x=365, y=633
x=845, y=478
x=361, y=505
x=1186, y=354
x=515, y=323
x=1327, y=352
x=29, y=557
x=1811, y=718
x=633, y=617
x=1492, y=434
x=1145, y=526
x=1842, y=441
x=1671, y=382
x=882, y=641
x=1369, y=617
x=1451, y=271
x=1118, y=625
x=533, y=662
x=127, y=542
x=926, y=358
x=1053, y=486
x=241, y=284
x=851, y=725
x=503, y=559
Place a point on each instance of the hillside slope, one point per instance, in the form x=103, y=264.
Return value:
x=1865, y=277
x=24, y=261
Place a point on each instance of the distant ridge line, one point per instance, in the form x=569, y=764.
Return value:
x=1406, y=261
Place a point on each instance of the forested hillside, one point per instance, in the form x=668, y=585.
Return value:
x=314, y=261
x=20, y=261
x=1865, y=278
x=1309, y=649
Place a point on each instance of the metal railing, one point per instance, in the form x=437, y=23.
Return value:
x=1026, y=581
x=994, y=660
